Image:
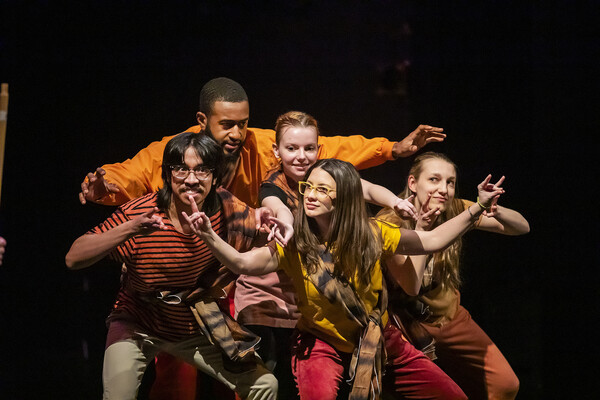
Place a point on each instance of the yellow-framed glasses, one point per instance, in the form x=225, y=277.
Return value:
x=321, y=191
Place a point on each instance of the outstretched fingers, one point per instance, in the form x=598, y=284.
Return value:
x=500, y=181
x=262, y=215
x=432, y=134
x=406, y=208
x=284, y=231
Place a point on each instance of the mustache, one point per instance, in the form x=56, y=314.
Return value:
x=185, y=188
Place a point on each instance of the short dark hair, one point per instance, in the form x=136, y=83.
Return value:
x=220, y=89
x=211, y=154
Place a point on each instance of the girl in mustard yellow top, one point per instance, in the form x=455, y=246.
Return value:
x=336, y=251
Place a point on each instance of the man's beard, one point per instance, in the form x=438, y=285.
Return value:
x=228, y=158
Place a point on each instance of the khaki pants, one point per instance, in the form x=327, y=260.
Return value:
x=126, y=358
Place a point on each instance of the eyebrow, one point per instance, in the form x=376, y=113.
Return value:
x=320, y=185
x=438, y=175
x=228, y=120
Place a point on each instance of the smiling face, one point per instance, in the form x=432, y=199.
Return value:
x=298, y=150
x=183, y=188
x=227, y=124
x=438, y=178
x=317, y=203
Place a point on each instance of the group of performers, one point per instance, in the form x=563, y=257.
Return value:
x=249, y=255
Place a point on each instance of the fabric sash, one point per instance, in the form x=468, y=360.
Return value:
x=369, y=356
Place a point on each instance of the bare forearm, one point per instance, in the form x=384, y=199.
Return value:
x=427, y=242
x=254, y=262
x=511, y=222
x=442, y=236
x=378, y=195
x=91, y=248
x=284, y=214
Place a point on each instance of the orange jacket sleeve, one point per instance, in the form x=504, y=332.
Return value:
x=361, y=152
x=139, y=175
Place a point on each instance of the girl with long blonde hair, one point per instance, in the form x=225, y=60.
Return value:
x=462, y=348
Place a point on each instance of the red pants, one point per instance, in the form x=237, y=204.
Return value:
x=320, y=371
x=412, y=375
x=472, y=360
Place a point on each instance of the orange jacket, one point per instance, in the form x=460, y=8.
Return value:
x=142, y=174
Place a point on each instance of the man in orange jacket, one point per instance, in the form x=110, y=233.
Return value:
x=224, y=113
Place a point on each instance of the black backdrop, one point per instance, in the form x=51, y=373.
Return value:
x=511, y=82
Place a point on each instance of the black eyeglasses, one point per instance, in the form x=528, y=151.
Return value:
x=201, y=172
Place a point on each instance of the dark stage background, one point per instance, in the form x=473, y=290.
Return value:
x=511, y=82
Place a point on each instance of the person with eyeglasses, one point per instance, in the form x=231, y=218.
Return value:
x=172, y=283
x=266, y=304
x=333, y=261
x=223, y=114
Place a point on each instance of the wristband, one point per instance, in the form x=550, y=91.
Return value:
x=470, y=213
x=481, y=205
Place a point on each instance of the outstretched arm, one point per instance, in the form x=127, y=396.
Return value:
x=503, y=220
x=258, y=261
x=415, y=242
x=383, y=197
x=366, y=153
x=94, y=187
x=417, y=139
x=131, y=178
x=282, y=213
x=91, y=248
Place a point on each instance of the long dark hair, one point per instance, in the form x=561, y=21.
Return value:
x=353, y=240
x=210, y=153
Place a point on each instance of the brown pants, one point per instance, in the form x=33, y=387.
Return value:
x=472, y=360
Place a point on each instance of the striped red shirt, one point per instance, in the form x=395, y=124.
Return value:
x=160, y=260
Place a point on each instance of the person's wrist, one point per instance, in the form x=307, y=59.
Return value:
x=474, y=215
x=483, y=207
x=396, y=150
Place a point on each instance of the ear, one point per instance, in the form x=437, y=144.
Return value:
x=276, y=150
x=412, y=183
x=202, y=119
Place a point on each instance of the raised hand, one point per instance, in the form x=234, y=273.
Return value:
x=149, y=222
x=493, y=210
x=2, y=247
x=417, y=139
x=488, y=193
x=263, y=215
x=198, y=221
x=405, y=208
x=427, y=216
x=280, y=231
x=94, y=187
